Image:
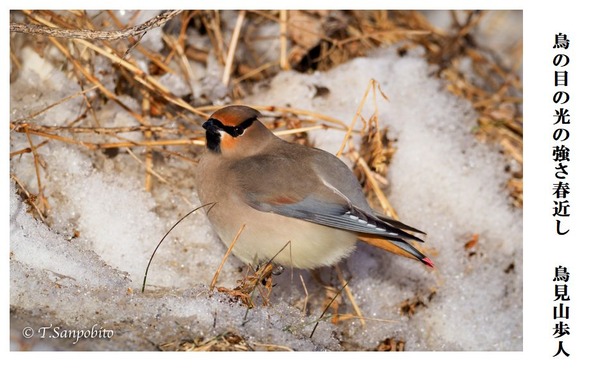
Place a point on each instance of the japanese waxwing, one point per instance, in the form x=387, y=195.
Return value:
x=301, y=207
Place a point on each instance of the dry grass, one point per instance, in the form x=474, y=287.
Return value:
x=225, y=342
x=310, y=41
x=319, y=40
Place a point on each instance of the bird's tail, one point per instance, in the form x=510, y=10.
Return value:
x=401, y=248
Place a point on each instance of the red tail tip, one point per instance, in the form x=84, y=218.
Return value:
x=428, y=262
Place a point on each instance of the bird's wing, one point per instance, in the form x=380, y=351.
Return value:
x=276, y=184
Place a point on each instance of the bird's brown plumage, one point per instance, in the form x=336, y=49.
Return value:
x=299, y=205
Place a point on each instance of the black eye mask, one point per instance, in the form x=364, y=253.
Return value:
x=214, y=125
x=213, y=128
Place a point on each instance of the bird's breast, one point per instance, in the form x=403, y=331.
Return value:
x=289, y=241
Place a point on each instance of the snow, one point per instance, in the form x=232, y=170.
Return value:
x=88, y=265
x=444, y=182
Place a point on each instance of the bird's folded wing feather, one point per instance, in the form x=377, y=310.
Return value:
x=298, y=192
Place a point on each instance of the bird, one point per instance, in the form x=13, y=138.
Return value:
x=291, y=204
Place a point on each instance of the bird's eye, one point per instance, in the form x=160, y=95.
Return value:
x=239, y=129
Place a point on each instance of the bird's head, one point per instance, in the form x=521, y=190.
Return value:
x=235, y=131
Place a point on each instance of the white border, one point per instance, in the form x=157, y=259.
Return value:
x=468, y=370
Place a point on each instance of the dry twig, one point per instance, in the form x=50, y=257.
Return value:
x=213, y=283
x=155, y=22
x=232, y=46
